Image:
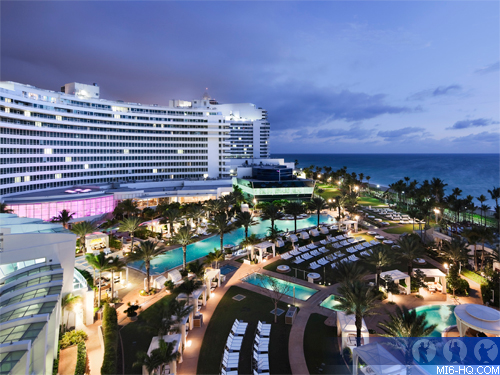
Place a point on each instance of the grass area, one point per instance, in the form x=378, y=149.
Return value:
x=370, y=201
x=321, y=347
x=136, y=337
x=329, y=192
x=404, y=228
x=474, y=276
x=253, y=308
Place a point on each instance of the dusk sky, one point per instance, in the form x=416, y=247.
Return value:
x=335, y=77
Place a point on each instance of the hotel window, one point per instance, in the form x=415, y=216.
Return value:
x=68, y=158
x=7, y=110
x=38, y=123
x=17, y=179
x=47, y=151
x=59, y=118
x=26, y=178
x=86, y=166
x=58, y=175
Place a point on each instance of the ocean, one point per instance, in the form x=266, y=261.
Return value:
x=474, y=174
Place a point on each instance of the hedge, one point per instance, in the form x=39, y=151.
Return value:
x=110, y=336
x=81, y=359
x=72, y=338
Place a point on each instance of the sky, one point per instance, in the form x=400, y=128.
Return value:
x=335, y=76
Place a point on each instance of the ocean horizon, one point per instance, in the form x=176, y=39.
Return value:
x=474, y=174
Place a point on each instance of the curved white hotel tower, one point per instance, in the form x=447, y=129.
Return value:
x=73, y=146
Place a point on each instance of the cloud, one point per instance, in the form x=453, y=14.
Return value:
x=476, y=123
x=489, y=68
x=391, y=135
x=484, y=137
x=438, y=91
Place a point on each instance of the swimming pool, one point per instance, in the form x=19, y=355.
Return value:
x=301, y=292
x=226, y=269
x=442, y=315
x=173, y=258
x=330, y=303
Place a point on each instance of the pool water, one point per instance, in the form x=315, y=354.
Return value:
x=224, y=270
x=173, y=258
x=301, y=292
x=330, y=303
x=442, y=315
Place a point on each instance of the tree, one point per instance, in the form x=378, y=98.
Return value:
x=403, y=327
x=178, y=310
x=149, y=361
x=245, y=219
x=4, y=209
x=197, y=268
x=130, y=224
x=485, y=235
x=64, y=218
x=188, y=287
x=214, y=206
x=379, y=257
x=220, y=226
x=456, y=251
x=481, y=200
x=159, y=357
x=346, y=271
x=274, y=289
x=215, y=256
x=115, y=265
x=68, y=303
x=410, y=249
x=171, y=216
x=81, y=229
x=317, y=204
x=271, y=212
x=145, y=253
x=101, y=264
x=195, y=212
x=495, y=195
x=358, y=299
x=127, y=207
x=295, y=209
x=453, y=279
x=183, y=237
x=473, y=237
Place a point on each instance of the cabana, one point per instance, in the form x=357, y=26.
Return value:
x=293, y=238
x=304, y=235
x=210, y=275
x=346, y=328
x=438, y=276
x=397, y=275
x=261, y=247
x=96, y=241
x=324, y=230
x=155, y=344
x=314, y=232
x=159, y=282
x=175, y=276
x=279, y=242
x=348, y=224
x=378, y=359
x=478, y=317
x=193, y=300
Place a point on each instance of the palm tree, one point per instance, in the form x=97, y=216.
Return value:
x=183, y=237
x=64, y=218
x=220, y=226
x=130, y=224
x=245, y=219
x=295, y=209
x=317, y=204
x=358, y=299
x=345, y=272
x=4, y=209
x=68, y=303
x=410, y=249
x=495, y=195
x=189, y=286
x=404, y=326
x=196, y=212
x=456, y=251
x=485, y=235
x=379, y=257
x=145, y=253
x=150, y=361
x=197, y=268
x=178, y=310
x=214, y=206
x=159, y=357
x=271, y=212
x=116, y=265
x=171, y=216
x=437, y=186
x=473, y=237
x=81, y=229
x=481, y=200
x=128, y=207
x=215, y=256
x=101, y=264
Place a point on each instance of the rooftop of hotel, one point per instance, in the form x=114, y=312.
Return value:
x=24, y=225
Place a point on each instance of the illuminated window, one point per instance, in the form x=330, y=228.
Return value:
x=27, y=113
x=155, y=170
x=68, y=158
x=59, y=118
x=8, y=100
x=58, y=175
x=180, y=151
x=26, y=178
x=117, y=116
x=17, y=179
x=47, y=151
x=86, y=166
x=7, y=110
x=125, y=151
x=38, y=123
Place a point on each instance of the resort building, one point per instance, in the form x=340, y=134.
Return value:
x=36, y=271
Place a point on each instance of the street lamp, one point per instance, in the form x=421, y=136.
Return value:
x=329, y=201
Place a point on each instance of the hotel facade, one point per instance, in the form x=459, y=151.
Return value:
x=73, y=150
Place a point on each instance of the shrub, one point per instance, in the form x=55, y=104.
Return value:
x=115, y=243
x=72, y=338
x=169, y=285
x=347, y=354
x=81, y=359
x=110, y=336
x=132, y=310
x=88, y=277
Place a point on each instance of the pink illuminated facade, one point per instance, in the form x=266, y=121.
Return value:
x=80, y=207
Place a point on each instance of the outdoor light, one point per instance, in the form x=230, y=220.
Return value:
x=188, y=343
x=340, y=182
x=212, y=294
x=329, y=201
x=378, y=186
x=356, y=187
x=333, y=200
x=445, y=265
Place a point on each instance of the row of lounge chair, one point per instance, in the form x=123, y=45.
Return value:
x=231, y=357
x=261, y=349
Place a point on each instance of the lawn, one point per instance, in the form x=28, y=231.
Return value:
x=329, y=193
x=370, y=201
x=253, y=308
x=136, y=337
x=321, y=347
x=408, y=228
